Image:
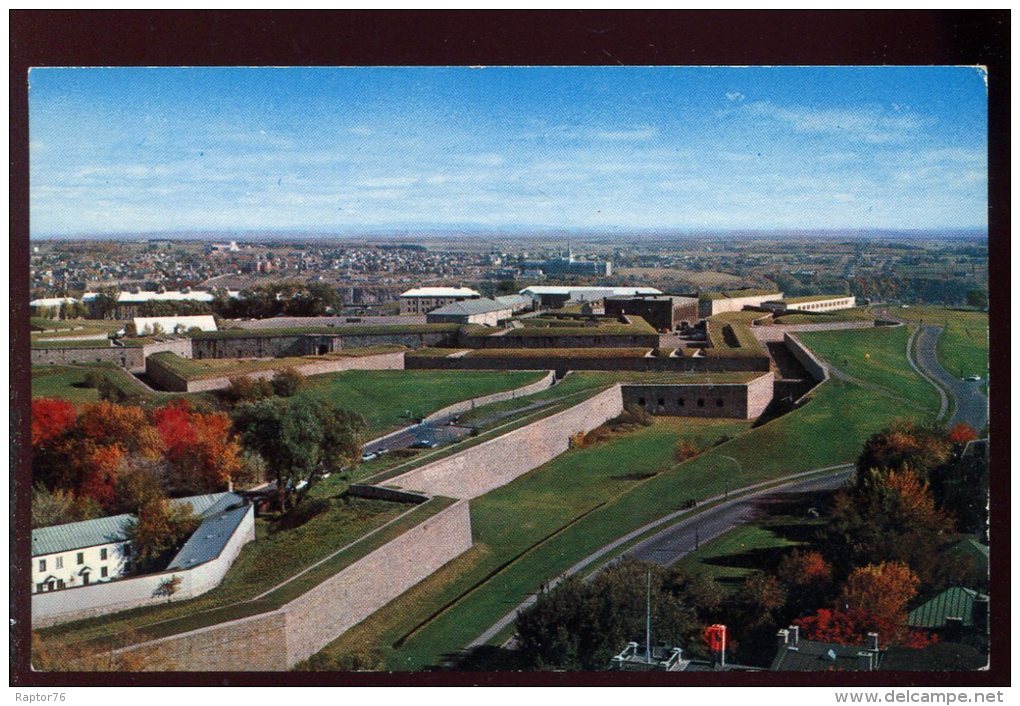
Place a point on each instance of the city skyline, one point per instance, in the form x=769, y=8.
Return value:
x=583, y=148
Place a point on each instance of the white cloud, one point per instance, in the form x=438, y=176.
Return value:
x=735, y=96
x=872, y=125
x=644, y=132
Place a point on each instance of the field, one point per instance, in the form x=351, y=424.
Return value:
x=74, y=327
x=703, y=279
x=272, y=558
x=456, y=604
x=68, y=382
x=390, y=399
x=876, y=355
x=963, y=345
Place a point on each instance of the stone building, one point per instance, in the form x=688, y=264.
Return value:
x=422, y=300
x=665, y=312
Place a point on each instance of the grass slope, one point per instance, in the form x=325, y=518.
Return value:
x=384, y=397
x=963, y=346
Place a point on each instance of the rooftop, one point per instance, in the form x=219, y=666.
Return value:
x=737, y=294
x=605, y=291
x=815, y=298
x=441, y=292
x=471, y=306
x=955, y=602
x=109, y=530
x=210, y=538
x=204, y=322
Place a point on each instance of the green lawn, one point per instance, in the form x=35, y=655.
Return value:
x=876, y=355
x=725, y=557
x=512, y=525
x=385, y=397
x=73, y=327
x=509, y=522
x=68, y=382
x=963, y=345
x=262, y=564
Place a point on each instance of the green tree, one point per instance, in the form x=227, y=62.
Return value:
x=978, y=298
x=159, y=531
x=287, y=382
x=300, y=440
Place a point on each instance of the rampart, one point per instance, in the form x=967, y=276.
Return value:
x=709, y=364
x=279, y=639
x=496, y=462
x=539, y=340
x=458, y=407
x=61, y=606
x=251, y=344
x=734, y=400
x=805, y=357
x=131, y=358
x=166, y=379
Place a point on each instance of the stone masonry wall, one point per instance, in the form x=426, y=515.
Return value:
x=277, y=640
x=805, y=357
x=248, y=346
x=316, y=618
x=740, y=401
x=479, y=469
x=563, y=365
x=168, y=380
x=132, y=359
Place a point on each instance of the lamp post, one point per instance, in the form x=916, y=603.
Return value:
x=740, y=469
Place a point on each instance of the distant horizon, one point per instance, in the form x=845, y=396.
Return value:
x=469, y=230
x=608, y=148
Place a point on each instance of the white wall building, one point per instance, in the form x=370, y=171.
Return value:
x=149, y=325
x=422, y=300
x=815, y=303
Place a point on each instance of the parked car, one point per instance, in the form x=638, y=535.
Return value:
x=973, y=378
x=368, y=456
x=423, y=444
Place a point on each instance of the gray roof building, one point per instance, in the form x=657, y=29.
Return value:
x=210, y=538
x=797, y=655
x=470, y=307
x=113, y=529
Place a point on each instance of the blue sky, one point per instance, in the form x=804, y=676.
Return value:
x=136, y=150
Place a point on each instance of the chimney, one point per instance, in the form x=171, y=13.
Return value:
x=873, y=642
x=782, y=638
x=794, y=635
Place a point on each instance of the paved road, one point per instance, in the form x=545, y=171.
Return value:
x=796, y=479
x=971, y=404
x=676, y=542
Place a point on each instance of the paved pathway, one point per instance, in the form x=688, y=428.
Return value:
x=793, y=480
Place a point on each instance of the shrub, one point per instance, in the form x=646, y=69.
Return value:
x=685, y=450
x=287, y=382
x=246, y=389
x=93, y=379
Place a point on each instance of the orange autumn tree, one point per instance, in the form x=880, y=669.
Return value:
x=201, y=446
x=961, y=433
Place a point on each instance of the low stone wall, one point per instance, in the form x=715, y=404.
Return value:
x=562, y=365
x=246, y=345
x=378, y=492
x=131, y=358
x=53, y=607
x=544, y=384
x=168, y=380
x=805, y=357
x=490, y=464
x=279, y=639
x=731, y=400
x=594, y=340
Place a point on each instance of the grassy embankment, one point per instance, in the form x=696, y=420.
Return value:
x=526, y=532
x=198, y=369
x=963, y=345
x=274, y=557
x=68, y=382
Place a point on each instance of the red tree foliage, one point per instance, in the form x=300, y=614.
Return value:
x=51, y=418
x=101, y=468
x=175, y=427
x=961, y=433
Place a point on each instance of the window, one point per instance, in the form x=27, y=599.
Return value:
x=60, y=583
x=641, y=401
x=81, y=558
x=60, y=562
x=102, y=554
x=701, y=401
x=719, y=402
x=42, y=565
x=102, y=571
x=680, y=402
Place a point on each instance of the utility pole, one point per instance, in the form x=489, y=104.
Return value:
x=648, y=620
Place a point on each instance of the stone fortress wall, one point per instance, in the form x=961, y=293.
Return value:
x=740, y=400
x=279, y=639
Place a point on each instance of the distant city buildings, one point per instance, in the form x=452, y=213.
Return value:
x=567, y=265
x=557, y=296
